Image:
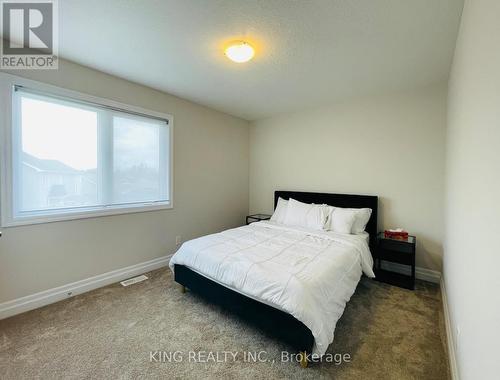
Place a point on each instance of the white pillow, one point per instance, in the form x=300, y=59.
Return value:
x=306, y=215
x=341, y=220
x=361, y=218
x=280, y=212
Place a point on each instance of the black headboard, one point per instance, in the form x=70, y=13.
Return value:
x=339, y=200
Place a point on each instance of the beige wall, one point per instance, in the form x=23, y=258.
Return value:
x=391, y=146
x=472, y=255
x=210, y=194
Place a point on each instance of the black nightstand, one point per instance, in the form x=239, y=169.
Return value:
x=257, y=218
x=395, y=251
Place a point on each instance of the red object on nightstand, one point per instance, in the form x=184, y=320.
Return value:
x=399, y=235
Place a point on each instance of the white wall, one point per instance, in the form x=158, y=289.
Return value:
x=210, y=194
x=472, y=253
x=391, y=146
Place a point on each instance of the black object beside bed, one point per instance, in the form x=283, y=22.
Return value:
x=274, y=322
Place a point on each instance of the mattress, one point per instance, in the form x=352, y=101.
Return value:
x=306, y=273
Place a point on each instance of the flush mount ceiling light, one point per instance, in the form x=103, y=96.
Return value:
x=239, y=51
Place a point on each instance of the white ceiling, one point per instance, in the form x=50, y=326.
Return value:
x=310, y=52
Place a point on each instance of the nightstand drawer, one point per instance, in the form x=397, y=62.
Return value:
x=395, y=245
x=406, y=258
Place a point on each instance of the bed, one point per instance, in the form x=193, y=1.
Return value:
x=290, y=282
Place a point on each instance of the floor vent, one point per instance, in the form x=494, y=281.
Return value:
x=134, y=280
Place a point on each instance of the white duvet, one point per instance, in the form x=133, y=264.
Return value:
x=309, y=274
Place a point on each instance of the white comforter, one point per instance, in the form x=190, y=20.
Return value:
x=309, y=274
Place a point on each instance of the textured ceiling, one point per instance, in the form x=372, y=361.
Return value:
x=309, y=52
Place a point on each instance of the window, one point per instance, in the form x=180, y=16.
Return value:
x=73, y=158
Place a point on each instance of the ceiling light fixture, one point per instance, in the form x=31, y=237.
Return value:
x=240, y=51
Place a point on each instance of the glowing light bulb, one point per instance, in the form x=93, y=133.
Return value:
x=240, y=51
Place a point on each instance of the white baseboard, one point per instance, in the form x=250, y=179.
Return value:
x=420, y=273
x=428, y=275
x=34, y=301
x=449, y=334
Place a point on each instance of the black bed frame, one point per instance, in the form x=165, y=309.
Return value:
x=271, y=321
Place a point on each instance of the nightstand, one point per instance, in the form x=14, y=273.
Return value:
x=257, y=218
x=401, y=252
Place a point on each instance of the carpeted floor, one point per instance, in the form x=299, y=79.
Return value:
x=114, y=332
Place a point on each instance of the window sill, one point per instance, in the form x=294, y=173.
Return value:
x=72, y=215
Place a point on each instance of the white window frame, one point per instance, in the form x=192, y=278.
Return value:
x=8, y=219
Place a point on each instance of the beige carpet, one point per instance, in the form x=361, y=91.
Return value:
x=389, y=333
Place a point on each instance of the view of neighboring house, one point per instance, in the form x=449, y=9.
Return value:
x=52, y=184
